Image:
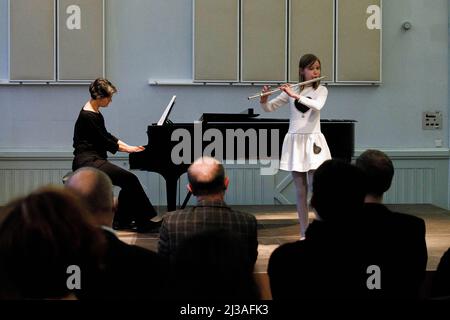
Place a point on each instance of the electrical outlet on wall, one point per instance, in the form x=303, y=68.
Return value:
x=432, y=120
x=438, y=143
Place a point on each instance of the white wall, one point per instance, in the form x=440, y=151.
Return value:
x=151, y=39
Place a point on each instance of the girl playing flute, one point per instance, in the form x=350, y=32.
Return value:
x=304, y=147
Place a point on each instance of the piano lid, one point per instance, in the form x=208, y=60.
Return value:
x=249, y=116
x=229, y=117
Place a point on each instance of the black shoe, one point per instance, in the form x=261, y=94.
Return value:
x=149, y=227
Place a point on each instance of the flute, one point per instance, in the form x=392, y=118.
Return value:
x=259, y=95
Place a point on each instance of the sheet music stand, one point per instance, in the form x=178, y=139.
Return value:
x=165, y=116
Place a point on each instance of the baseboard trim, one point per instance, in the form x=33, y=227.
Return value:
x=422, y=176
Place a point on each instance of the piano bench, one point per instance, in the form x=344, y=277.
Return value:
x=66, y=177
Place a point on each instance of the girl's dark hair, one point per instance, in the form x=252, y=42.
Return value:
x=101, y=88
x=306, y=61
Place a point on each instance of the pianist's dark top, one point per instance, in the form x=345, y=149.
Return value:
x=91, y=140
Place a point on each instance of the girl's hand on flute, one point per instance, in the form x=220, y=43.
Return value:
x=264, y=99
x=288, y=89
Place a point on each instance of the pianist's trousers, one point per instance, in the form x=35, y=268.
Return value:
x=133, y=202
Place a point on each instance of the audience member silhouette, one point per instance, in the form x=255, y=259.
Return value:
x=396, y=240
x=47, y=246
x=441, y=280
x=213, y=265
x=208, y=183
x=130, y=272
x=326, y=264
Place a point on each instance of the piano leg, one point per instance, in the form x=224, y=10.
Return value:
x=171, y=190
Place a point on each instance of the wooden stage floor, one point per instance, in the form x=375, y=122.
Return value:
x=279, y=224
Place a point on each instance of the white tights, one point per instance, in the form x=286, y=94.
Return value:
x=303, y=184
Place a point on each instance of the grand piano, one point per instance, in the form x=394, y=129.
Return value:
x=169, y=159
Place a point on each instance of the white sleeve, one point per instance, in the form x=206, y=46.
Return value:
x=318, y=102
x=275, y=103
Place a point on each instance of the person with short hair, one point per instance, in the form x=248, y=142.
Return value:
x=91, y=142
x=129, y=272
x=379, y=172
x=396, y=241
x=208, y=183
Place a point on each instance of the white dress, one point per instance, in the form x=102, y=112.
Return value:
x=304, y=146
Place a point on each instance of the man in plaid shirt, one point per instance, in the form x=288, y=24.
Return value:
x=208, y=183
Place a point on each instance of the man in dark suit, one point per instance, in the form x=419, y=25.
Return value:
x=327, y=264
x=130, y=272
x=396, y=240
x=208, y=183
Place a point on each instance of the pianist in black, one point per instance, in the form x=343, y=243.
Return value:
x=92, y=141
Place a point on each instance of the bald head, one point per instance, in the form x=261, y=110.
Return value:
x=95, y=187
x=206, y=177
